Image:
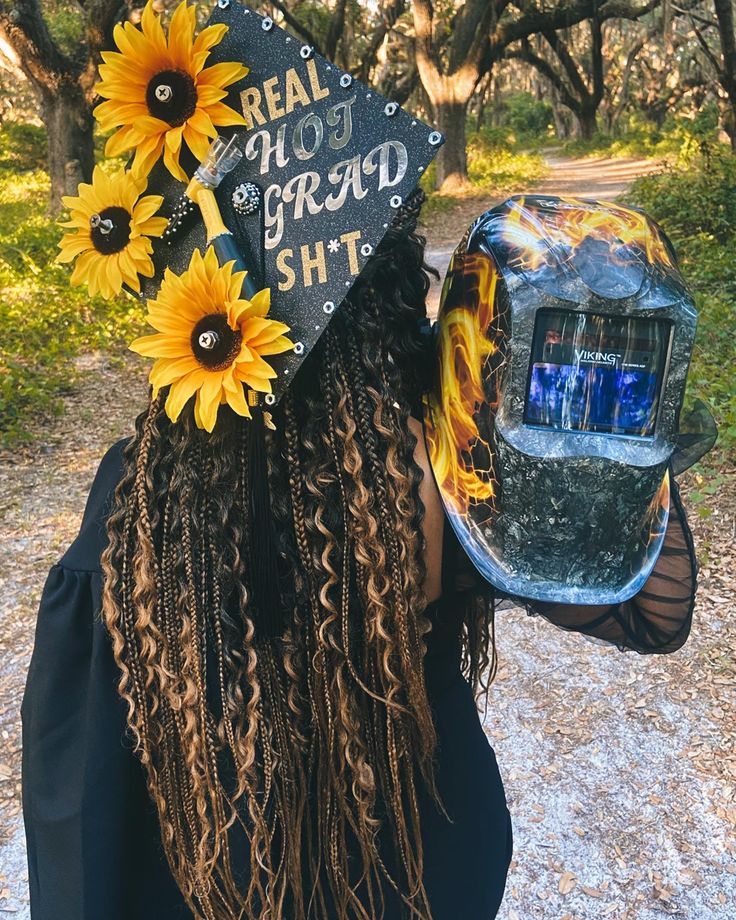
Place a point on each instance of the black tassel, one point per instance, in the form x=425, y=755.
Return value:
x=266, y=598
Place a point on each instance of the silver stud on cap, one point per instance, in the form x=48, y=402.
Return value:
x=366, y=249
x=328, y=306
x=269, y=399
x=391, y=108
x=306, y=52
x=223, y=4
x=267, y=23
x=396, y=201
x=346, y=80
x=435, y=138
x=298, y=348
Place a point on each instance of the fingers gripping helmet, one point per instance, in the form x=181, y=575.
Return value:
x=565, y=335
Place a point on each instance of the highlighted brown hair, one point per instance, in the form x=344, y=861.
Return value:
x=286, y=769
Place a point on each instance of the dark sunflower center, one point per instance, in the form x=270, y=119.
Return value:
x=110, y=230
x=214, y=344
x=171, y=96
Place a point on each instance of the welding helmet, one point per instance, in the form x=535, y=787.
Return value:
x=564, y=337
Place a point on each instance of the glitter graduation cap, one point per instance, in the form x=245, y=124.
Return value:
x=305, y=190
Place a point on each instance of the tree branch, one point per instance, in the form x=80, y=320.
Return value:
x=388, y=16
x=334, y=33
x=41, y=60
x=297, y=26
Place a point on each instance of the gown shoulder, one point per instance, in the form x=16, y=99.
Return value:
x=91, y=831
x=84, y=554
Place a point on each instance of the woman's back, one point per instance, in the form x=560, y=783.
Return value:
x=94, y=837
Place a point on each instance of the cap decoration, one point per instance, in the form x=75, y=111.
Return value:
x=110, y=229
x=326, y=166
x=159, y=92
x=210, y=340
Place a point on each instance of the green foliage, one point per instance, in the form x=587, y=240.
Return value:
x=44, y=323
x=66, y=23
x=496, y=167
x=679, y=137
x=696, y=205
x=528, y=118
x=22, y=146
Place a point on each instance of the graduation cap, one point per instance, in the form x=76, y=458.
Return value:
x=306, y=187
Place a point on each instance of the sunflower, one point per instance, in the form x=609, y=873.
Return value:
x=110, y=232
x=160, y=93
x=210, y=340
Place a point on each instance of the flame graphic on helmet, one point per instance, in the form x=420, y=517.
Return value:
x=472, y=348
x=531, y=230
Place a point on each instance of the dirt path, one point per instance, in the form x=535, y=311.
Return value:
x=620, y=770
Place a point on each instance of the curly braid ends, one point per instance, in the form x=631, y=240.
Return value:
x=285, y=770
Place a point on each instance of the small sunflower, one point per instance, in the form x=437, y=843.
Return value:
x=160, y=93
x=210, y=340
x=110, y=232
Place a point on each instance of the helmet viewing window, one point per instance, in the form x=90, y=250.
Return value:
x=596, y=373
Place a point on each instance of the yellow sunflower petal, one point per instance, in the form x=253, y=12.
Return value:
x=209, y=37
x=258, y=305
x=71, y=247
x=209, y=95
x=146, y=207
x=84, y=266
x=146, y=154
x=161, y=345
x=222, y=114
x=198, y=143
x=122, y=140
x=257, y=331
x=277, y=347
x=235, y=398
x=182, y=391
x=166, y=370
x=181, y=29
x=154, y=226
x=208, y=400
x=152, y=29
x=171, y=162
x=222, y=74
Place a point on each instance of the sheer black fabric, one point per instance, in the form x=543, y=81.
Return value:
x=658, y=618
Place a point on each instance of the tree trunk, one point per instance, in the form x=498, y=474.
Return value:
x=452, y=162
x=587, y=122
x=69, y=125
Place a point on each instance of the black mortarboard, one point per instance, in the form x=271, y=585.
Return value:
x=327, y=163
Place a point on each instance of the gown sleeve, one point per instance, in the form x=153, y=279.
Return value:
x=659, y=617
x=91, y=831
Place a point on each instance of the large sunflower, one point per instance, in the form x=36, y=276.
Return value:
x=160, y=93
x=110, y=232
x=210, y=340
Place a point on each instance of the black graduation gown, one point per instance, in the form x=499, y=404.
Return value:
x=93, y=838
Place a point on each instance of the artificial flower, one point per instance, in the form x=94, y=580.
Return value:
x=210, y=341
x=159, y=93
x=110, y=232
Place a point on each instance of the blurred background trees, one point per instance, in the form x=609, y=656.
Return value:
x=597, y=66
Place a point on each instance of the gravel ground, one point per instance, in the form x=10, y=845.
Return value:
x=620, y=770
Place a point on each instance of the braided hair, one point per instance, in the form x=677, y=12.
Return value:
x=285, y=768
